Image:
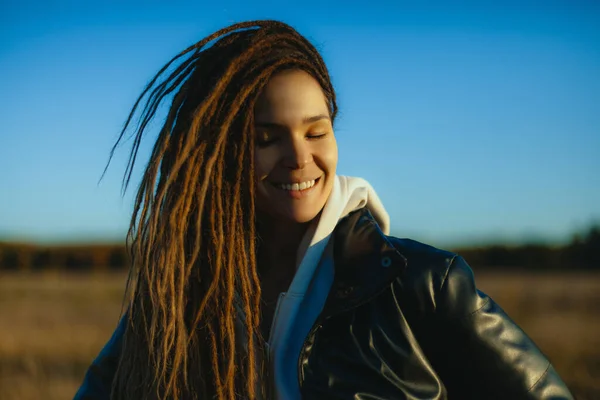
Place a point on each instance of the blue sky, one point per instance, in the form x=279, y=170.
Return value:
x=475, y=123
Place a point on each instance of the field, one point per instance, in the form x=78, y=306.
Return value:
x=52, y=326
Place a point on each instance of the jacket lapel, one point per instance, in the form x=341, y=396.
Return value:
x=365, y=263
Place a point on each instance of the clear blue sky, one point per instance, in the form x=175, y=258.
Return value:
x=474, y=123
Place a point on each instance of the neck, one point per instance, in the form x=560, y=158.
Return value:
x=279, y=241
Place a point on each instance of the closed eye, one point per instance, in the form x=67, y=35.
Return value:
x=317, y=136
x=264, y=139
x=265, y=143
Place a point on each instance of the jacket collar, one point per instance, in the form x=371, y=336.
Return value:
x=365, y=262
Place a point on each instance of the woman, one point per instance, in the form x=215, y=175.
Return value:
x=258, y=273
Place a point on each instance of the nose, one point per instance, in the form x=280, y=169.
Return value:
x=296, y=154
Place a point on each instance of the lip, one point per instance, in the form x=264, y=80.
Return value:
x=296, y=194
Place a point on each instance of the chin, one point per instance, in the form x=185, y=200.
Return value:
x=300, y=216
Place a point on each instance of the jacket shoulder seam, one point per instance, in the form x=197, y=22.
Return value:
x=540, y=378
x=447, y=272
x=445, y=281
x=485, y=303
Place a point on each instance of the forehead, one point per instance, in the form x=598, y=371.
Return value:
x=289, y=98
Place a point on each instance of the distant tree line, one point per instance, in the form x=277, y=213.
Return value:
x=71, y=258
x=582, y=253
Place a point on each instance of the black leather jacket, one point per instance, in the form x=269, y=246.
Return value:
x=403, y=320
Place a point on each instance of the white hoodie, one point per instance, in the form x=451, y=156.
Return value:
x=298, y=309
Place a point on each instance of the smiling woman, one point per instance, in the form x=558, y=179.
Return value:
x=259, y=273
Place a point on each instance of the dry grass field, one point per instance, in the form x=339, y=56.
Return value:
x=52, y=326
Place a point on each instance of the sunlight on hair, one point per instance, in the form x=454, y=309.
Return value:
x=192, y=234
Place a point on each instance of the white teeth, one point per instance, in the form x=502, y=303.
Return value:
x=297, y=186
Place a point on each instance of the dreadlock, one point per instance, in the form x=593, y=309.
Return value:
x=194, y=292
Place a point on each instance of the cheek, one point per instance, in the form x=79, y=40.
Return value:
x=263, y=163
x=329, y=157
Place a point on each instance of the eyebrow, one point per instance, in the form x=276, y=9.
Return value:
x=305, y=121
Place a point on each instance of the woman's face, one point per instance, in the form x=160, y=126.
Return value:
x=296, y=153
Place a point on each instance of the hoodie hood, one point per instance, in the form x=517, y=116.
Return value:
x=298, y=308
x=348, y=194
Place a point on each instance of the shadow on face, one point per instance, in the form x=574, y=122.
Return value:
x=296, y=154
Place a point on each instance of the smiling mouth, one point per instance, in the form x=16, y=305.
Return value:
x=297, y=186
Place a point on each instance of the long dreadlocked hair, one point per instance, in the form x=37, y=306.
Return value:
x=194, y=291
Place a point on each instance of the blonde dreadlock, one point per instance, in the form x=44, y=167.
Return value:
x=192, y=232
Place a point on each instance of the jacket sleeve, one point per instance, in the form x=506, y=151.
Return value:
x=483, y=353
x=98, y=379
